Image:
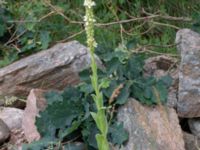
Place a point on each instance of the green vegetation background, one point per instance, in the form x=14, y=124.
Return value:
x=28, y=26
x=123, y=27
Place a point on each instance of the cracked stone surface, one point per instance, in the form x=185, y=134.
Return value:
x=12, y=117
x=194, y=124
x=4, y=132
x=35, y=103
x=150, y=128
x=54, y=68
x=191, y=141
x=188, y=44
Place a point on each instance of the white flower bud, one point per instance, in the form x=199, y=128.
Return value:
x=85, y=18
x=89, y=3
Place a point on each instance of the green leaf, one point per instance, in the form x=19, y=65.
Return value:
x=74, y=146
x=143, y=90
x=86, y=88
x=53, y=96
x=118, y=134
x=104, y=83
x=101, y=121
x=108, y=91
x=124, y=95
x=105, y=53
x=162, y=91
x=121, y=1
x=196, y=25
x=61, y=115
x=148, y=92
x=45, y=39
x=38, y=145
x=131, y=44
x=31, y=25
x=3, y=19
x=167, y=80
x=134, y=67
x=112, y=65
x=89, y=131
x=2, y=28
x=122, y=56
x=9, y=57
x=97, y=120
x=85, y=75
x=74, y=126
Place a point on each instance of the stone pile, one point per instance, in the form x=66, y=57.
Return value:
x=149, y=127
x=158, y=128
x=51, y=69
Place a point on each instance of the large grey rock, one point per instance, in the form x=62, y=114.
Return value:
x=54, y=68
x=12, y=117
x=194, y=124
x=4, y=132
x=188, y=43
x=163, y=65
x=151, y=128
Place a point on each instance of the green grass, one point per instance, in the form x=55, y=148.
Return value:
x=25, y=22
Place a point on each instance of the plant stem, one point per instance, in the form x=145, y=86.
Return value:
x=99, y=116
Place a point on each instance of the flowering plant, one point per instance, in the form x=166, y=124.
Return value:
x=99, y=116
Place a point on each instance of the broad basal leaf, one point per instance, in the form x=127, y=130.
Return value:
x=118, y=134
x=89, y=130
x=60, y=115
x=45, y=39
x=74, y=146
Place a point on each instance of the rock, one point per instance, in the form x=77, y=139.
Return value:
x=194, y=124
x=4, y=132
x=35, y=103
x=151, y=128
x=188, y=43
x=163, y=65
x=191, y=141
x=12, y=117
x=17, y=139
x=54, y=68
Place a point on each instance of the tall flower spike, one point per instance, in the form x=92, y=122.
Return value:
x=99, y=116
x=89, y=24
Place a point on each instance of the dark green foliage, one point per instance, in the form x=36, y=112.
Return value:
x=2, y=27
x=131, y=44
x=39, y=145
x=124, y=94
x=63, y=118
x=35, y=25
x=89, y=130
x=74, y=146
x=68, y=113
x=143, y=90
x=53, y=96
x=196, y=23
x=60, y=117
x=130, y=73
x=4, y=17
x=117, y=133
